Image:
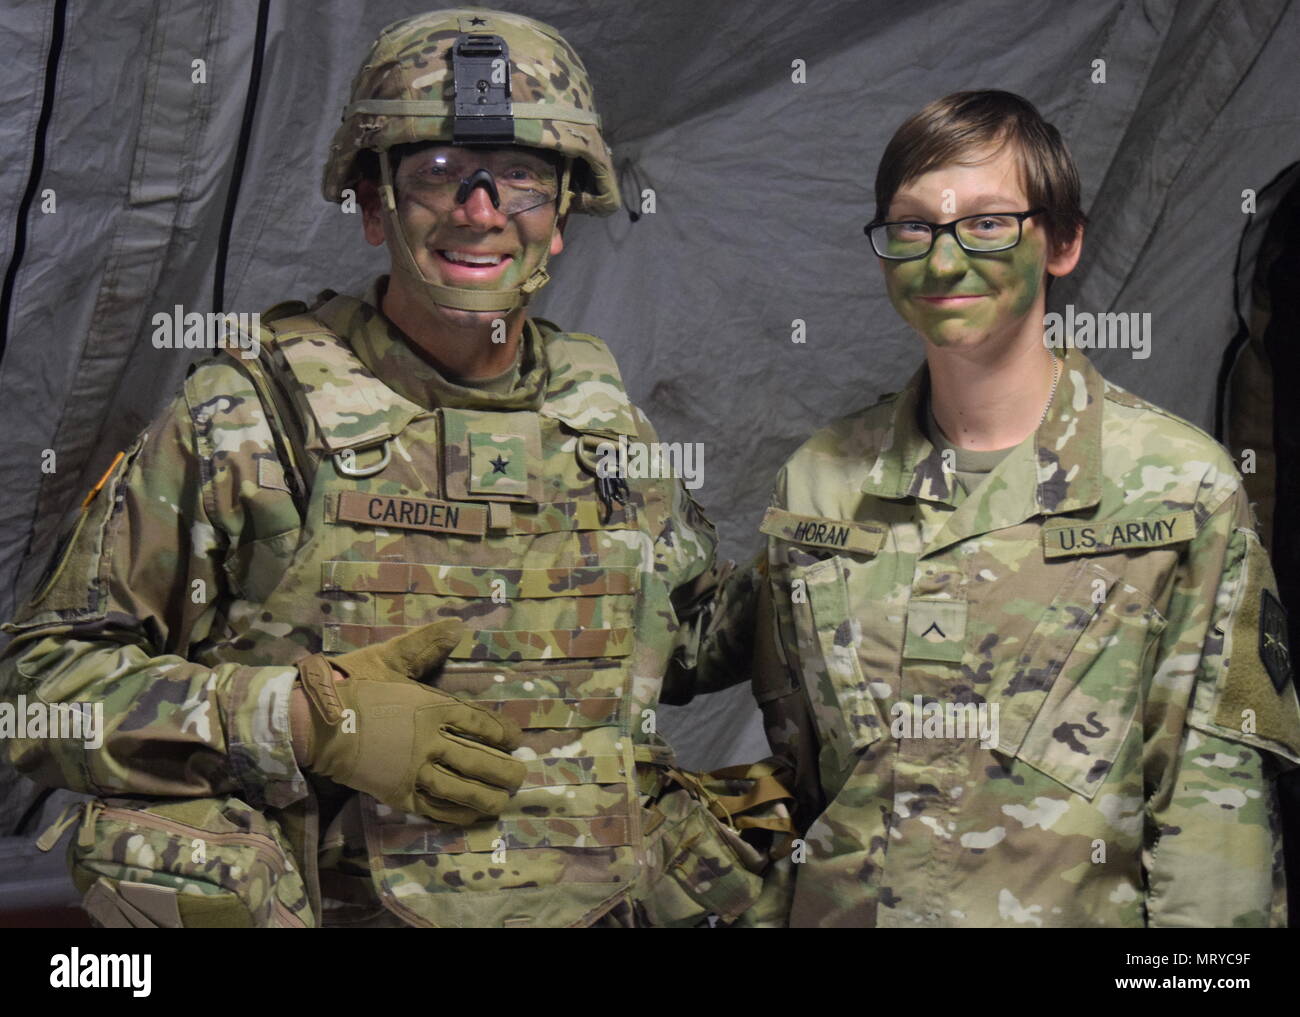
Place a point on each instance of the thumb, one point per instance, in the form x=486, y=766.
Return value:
x=423, y=649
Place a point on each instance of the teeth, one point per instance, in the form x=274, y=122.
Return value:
x=472, y=259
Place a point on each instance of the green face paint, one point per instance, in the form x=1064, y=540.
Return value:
x=446, y=236
x=953, y=296
x=956, y=297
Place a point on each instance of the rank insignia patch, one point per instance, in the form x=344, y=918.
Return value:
x=936, y=629
x=498, y=464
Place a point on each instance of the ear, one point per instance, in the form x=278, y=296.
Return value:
x=557, y=238
x=372, y=222
x=1065, y=256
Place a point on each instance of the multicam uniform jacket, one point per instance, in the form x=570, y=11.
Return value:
x=193, y=584
x=1057, y=703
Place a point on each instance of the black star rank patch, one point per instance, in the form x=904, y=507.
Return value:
x=1273, y=650
x=499, y=465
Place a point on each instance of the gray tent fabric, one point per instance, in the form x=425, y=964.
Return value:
x=756, y=126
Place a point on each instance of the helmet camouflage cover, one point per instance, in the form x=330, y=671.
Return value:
x=405, y=92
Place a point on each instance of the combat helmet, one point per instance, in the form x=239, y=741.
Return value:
x=473, y=76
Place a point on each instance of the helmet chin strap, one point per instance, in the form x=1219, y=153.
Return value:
x=431, y=294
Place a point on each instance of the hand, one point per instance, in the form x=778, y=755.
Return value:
x=372, y=728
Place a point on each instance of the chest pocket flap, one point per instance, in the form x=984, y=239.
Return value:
x=1071, y=702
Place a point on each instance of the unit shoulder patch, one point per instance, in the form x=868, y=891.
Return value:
x=1256, y=701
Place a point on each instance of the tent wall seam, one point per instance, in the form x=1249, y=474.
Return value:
x=241, y=156
x=53, y=56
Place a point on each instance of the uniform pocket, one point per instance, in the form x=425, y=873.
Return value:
x=73, y=588
x=556, y=857
x=1083, y=671
x=845, y=711
x=190, y=863
x=812, y=560
x=698, y=866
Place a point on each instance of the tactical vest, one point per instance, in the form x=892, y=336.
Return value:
x=416, y=514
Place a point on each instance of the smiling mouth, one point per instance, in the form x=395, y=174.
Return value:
x=470, y=259
x=954, y=300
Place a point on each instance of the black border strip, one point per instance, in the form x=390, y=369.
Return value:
x=241, y=155
x=34, y=177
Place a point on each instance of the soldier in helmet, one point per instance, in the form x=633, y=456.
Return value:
x=423, y=693
x=1035, y=666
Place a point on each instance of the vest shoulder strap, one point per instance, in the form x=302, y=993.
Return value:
x=350, y=407
x=586, y=389
x=285, y=422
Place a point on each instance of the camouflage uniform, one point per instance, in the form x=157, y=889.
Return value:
x=1104, y=589
x=193, y=584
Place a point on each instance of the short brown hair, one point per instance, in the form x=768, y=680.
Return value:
x=947, y=128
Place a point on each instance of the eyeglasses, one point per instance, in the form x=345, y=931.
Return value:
x=516, y=182
x=979, y=234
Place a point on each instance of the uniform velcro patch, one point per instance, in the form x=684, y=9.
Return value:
x=492, y=456
x=936, y=629
x=411, y=513
x=498, y=464
x=1257, y=695
x=1064, y=540
x=818, y=532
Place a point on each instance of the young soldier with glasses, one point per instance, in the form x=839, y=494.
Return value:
x=1032, y=666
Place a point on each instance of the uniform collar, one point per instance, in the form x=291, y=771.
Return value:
x=388, y=353
x=1066, y=446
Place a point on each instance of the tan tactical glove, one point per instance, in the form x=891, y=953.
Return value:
x=406, y=744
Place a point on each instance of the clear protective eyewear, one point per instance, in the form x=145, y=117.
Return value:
x=515, y=181
x=985, y=233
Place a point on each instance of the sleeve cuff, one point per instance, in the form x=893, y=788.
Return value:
x=258, y=742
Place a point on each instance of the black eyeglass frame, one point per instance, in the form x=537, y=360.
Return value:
x=951, y=227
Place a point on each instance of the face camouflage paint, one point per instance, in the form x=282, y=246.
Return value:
x=488, y=237
x=954, y=296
